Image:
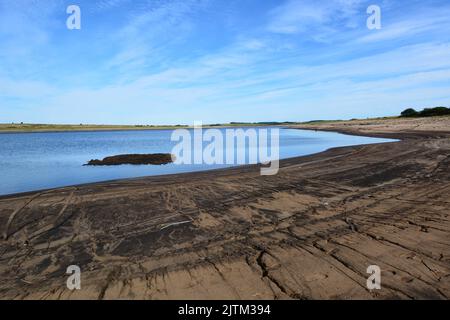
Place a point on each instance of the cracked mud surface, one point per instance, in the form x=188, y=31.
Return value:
x=309, y=232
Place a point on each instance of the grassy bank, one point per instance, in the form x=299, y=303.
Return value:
x=26, y=127
x=66, y=127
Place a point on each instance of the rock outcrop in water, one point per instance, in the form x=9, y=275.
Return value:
x=135, y=159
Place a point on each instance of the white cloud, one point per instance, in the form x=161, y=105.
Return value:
x=304, y=16
x=150, y=30
x=202, y=87
x=23, y=89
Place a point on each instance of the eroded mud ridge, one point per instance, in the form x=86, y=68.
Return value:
x=135, y=159
x=309, y=232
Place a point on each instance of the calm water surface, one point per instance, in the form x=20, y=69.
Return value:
x=33, y=161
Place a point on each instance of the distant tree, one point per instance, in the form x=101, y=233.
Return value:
x=427, y=112
x=410, y=112
x=438, y=111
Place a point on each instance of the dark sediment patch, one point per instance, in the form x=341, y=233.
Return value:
x=135, y=159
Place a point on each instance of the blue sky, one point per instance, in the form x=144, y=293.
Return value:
x=179, y=61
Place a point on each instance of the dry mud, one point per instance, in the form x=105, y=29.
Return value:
x=309, y=232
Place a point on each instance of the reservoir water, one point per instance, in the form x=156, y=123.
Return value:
x=34, y=161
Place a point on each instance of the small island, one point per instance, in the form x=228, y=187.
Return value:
x=134, y=159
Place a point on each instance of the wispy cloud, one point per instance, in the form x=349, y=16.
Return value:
x=357, y=86
x=313, y=17
x=151, y=29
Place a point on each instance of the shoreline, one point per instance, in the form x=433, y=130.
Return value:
x=106, y=128
x=258, y=166
x=307, y=233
